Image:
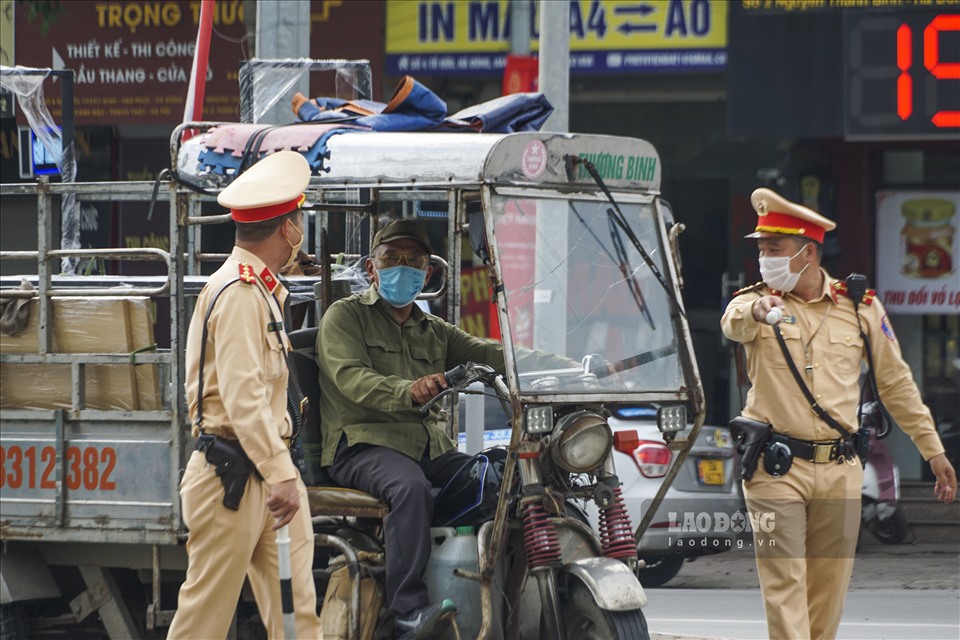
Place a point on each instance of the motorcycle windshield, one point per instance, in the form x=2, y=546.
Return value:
x=577, y=287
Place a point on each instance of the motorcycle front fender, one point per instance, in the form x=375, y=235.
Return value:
x=612, y=584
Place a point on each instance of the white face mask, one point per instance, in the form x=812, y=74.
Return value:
x=775, y=271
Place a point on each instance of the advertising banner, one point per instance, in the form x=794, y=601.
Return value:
x=426, y=37
x=917, y=251
x=132, y=60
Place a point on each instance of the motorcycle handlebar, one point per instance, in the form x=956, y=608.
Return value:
x=456, y=375
x=459, y=378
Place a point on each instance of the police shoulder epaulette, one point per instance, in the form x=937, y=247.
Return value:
x=752, y=287
x=246, y=273
x=840, y=287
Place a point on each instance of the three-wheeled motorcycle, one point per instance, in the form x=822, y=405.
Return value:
x=555, y=244
x=570, y=234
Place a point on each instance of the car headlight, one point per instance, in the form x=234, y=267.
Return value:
x=583, y=442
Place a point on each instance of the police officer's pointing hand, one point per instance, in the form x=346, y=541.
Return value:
x=762, y=306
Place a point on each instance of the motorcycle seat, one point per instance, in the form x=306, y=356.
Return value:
x=325, y=497
x=340, y=502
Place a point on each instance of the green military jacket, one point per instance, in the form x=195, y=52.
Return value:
x=368, y=363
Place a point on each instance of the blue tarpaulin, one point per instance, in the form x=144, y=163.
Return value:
x=413, y=107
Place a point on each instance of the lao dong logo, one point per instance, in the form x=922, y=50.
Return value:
x=703, y=522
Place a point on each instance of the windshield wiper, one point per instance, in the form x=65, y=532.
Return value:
x=627, y=270
x=622, y=262
x=616, y=215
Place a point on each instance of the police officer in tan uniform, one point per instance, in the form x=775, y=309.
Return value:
x=811, y=513
x=244, y=401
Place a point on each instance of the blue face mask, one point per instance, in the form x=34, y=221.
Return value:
x=400, y=285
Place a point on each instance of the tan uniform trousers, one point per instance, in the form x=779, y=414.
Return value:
x=805, y=528
x=225, y=545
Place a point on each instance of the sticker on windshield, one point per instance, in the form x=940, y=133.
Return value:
x=534, y=159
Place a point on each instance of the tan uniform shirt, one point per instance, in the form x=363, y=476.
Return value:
x=825, y=344
x=245, y=372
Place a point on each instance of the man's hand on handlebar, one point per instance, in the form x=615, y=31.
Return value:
x=427, y=388
x=430, y=389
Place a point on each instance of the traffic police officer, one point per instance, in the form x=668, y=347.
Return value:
x=244, y=383
x=805, y=554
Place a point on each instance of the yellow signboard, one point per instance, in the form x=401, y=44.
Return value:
x=424, y=29
x=6, y=33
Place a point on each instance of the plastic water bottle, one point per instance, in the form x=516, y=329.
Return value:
x=455, y=549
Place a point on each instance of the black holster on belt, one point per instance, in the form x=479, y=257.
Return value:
x=750, y=438
x=232, y=465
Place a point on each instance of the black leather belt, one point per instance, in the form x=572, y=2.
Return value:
x=819, y=452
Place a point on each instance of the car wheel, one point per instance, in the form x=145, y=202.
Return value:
x=659, y=570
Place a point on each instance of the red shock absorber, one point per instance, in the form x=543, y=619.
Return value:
x=540, y=537
x=616, y=532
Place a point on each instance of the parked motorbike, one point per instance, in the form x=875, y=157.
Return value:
x=880, y=514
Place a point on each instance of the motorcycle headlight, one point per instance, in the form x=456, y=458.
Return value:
x=583, y=442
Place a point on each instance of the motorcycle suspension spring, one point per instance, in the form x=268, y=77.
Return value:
x=616, y=532
x=540, y=537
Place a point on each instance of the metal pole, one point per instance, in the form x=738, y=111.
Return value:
x=555, y=62
x=521, y=16
x=286, y=585
x=69, y=207
x=66, y=98
x=283, y=31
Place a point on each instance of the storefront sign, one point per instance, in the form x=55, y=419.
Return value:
x=6, y=54
x=918, y=248
x=132, y=59
x=429, y=37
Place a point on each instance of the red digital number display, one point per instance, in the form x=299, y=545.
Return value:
x=89, y=468
x=903, y=73
x=940, y=69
